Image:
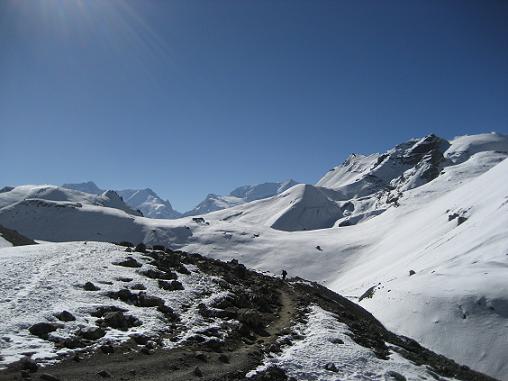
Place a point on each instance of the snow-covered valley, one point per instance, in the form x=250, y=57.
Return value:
x=422, y=227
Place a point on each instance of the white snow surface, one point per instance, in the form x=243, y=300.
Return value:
x=38, y=281
x=306, y=358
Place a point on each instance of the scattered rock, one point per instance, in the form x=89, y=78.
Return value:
x=140, y=247
x=73, y=343
x=128, y=262
x=25, y=363
x=107, y=348
x=140, y=339
x=145, y=300
x=337, y=341
x=331, y=367
x=43, y=329
x=126, y=244
x=104, y=374
x=173, y=285
x=89, y=286
x=138, y=286
x=64, y=316
x=92, y=333
x=394, y=376
x=102, y=310
x=224, y=358
x=121, y=321
x=157, y=274
x=412, y=272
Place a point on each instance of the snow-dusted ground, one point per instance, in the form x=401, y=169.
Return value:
x=327, y=341
x=41, y=280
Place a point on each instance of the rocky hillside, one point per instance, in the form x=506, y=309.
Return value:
x=162, y=314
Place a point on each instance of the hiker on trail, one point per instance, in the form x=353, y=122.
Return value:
x=284, y=274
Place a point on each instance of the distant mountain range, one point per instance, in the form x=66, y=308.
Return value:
x=153, y=206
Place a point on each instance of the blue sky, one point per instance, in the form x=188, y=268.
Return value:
x=194, y=97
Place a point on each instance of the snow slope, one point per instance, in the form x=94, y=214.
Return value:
x=307, y=359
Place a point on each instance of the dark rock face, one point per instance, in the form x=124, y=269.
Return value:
x=14, y=237
x=43, y=329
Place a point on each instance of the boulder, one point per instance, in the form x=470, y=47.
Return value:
x=173, y=285
x=43, y=329
x=89, y=286
x=121, y=321
x=140, y=247
x=391, y=375
x=331, y=367
x=64, y=316
x=91, y=333
x=128, y=262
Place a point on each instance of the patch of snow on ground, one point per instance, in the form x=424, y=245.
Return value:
x=39, y=281
x=306, y=359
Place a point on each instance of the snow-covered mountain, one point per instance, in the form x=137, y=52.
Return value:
x=239, y=196
x=145, y=200
x=37, y=194
x=422, y=227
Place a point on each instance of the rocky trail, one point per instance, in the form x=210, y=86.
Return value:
x=253, y=317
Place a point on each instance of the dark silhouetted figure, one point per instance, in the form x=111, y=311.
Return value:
x=284, y=274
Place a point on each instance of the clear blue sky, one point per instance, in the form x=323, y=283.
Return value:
x=193, y=97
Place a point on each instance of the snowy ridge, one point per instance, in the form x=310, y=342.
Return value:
x=240, y=196
x=54, y=193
